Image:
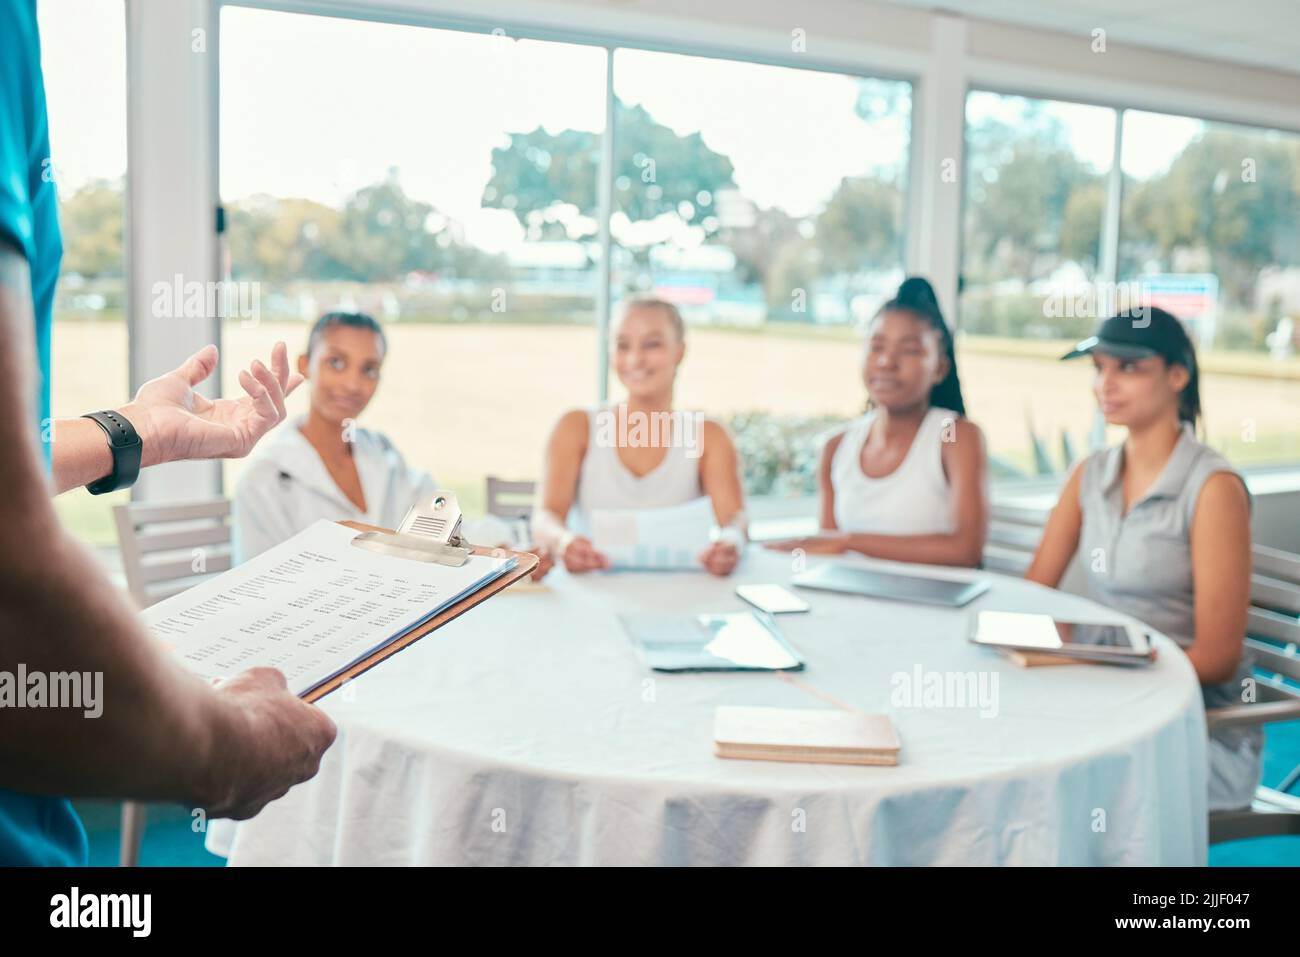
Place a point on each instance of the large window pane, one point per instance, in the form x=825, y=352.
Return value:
x=445, y=182
x=768, y=203
x=1036, y=178
x=83, y=55
x=1211, y=231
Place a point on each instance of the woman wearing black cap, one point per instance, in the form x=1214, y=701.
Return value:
x=1162, y=524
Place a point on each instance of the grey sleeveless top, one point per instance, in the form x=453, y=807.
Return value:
x=1141, y=563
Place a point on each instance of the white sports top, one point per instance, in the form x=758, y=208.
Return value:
x=604, y=482
x=914, y=499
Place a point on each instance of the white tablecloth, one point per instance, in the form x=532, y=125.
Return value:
x=528, y=732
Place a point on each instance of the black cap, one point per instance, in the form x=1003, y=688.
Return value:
x=1137, y=334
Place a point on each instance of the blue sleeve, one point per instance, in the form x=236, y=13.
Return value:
x=34, y=830
x=28, y=206
x=17, y=40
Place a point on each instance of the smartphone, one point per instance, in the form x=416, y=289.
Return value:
x=772, y=599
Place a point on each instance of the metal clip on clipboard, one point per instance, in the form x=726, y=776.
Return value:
x=430, y=532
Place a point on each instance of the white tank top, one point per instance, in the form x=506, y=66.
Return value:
x=914, y=499
x=604, y=482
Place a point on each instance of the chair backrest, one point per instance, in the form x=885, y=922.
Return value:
x=169, y=548
x=507, y=499
x=1275, y=580
x=1014, y=533
x=1273, y=642
x=1273, y=623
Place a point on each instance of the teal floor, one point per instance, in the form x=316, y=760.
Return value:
x=1281, y=754
x=169, y=838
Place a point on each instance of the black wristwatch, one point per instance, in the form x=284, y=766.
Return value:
x=124, y=442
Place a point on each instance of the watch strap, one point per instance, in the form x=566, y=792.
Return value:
x=124, y=444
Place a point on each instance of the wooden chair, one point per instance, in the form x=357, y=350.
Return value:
x=1273, y=638
x=510, y=500
x=165, y=550
x=169, y=548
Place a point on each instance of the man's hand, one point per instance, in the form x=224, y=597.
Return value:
x=175, y=422
x=169, y=738
x=278, y=743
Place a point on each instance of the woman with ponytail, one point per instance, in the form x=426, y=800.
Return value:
x=907, y=480
x=1161, y=524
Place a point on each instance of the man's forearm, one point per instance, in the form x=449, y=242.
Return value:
x=156, y=728
x=79, y=454
x=78, y=449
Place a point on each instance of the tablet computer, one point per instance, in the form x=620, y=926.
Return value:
x=875, y=584
x=1045, y=634
x=738, y=641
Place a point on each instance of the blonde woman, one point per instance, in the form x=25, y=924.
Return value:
x=619, y=457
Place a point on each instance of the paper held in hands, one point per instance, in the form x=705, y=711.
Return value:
x=654, y=539
x=312, y=607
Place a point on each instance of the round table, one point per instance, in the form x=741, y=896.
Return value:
x=528, y=732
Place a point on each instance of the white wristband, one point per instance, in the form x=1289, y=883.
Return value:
x=729, y=535
x=562, y=543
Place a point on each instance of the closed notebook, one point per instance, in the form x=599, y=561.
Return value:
x=1031, y=659
x=814, y=736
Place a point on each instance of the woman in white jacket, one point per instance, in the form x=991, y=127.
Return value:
x=322, y=465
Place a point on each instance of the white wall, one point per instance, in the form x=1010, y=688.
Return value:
x=171, y=203
x=1275, y=520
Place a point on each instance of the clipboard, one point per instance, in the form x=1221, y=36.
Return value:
x=526, y=562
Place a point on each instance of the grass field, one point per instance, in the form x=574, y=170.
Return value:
x=468, y=400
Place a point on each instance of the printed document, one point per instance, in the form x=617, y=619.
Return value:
x=312, y=607
x=656, y=539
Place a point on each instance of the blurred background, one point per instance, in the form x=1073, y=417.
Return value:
x=488, y=180
x=450, y=182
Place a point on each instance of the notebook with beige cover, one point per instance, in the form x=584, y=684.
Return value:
x=1030, y=659
x=814, y=736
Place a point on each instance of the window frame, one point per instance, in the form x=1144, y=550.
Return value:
x=1111, y=234
x=610, y=44
x=942, y=56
